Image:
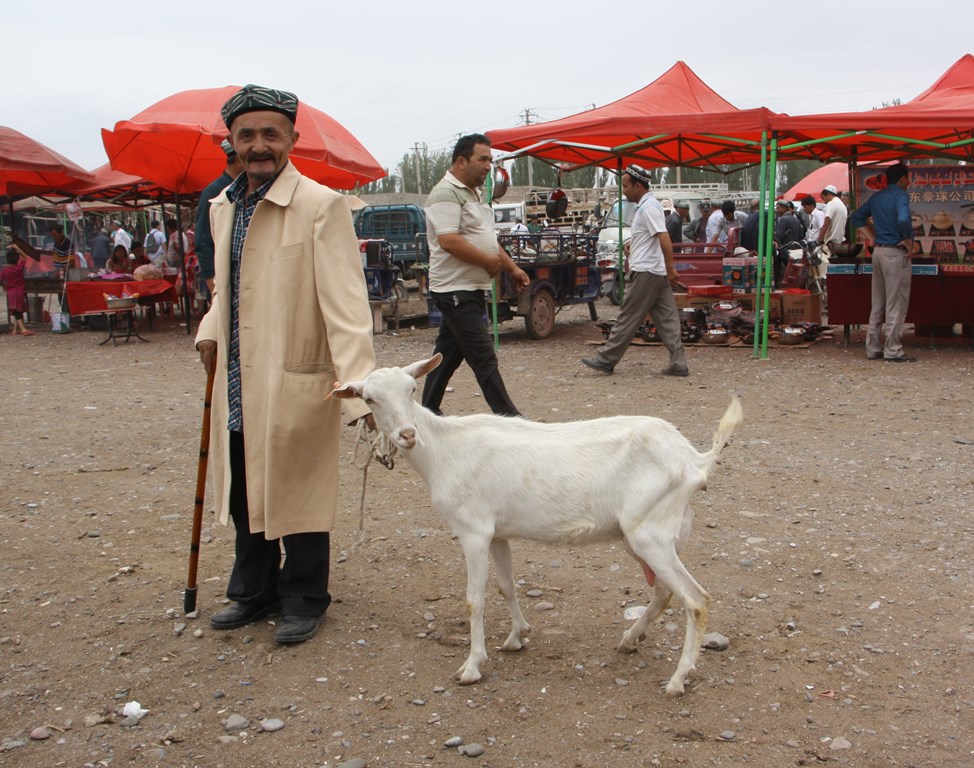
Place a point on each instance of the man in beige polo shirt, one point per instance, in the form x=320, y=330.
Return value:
x=464, y=256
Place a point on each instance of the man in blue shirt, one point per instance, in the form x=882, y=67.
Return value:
x=204, y=237
x=891, y=230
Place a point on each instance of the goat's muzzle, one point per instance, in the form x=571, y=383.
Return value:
x=406, y=437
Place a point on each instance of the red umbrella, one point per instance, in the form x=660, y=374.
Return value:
x=836, y=174
x=28, y=167
x=176, y=144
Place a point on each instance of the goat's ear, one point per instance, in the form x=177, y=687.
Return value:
x=346, y=391
x=419, y=369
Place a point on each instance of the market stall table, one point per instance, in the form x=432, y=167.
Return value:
x=89, y=296
x=114, y=332
x=939, y=296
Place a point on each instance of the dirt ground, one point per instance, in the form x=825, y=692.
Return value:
x=835, y=540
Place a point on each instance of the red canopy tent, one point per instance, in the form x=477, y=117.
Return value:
x=106, y=182
x=27, y=167
x=176, y=144
x=677, y=120
x=937, y=123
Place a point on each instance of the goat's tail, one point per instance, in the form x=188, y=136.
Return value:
x=729, y=423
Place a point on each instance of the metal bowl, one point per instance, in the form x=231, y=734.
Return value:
x=120, y=303
x=715, y=336
x=791, y=335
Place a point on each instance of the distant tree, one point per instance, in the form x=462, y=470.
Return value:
x=389, y=183
x=544, y=175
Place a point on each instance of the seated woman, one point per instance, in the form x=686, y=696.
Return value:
x=118, y=262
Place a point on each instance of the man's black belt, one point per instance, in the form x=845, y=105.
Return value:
x=890, y=245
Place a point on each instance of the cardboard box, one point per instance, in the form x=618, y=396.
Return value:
x=801, y=308
x=750, y=302
x=741, y=274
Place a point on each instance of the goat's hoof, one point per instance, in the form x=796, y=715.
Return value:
x=467, y=675
x=675, y=688
x=628, y=645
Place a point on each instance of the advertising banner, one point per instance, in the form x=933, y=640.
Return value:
x=942, y=205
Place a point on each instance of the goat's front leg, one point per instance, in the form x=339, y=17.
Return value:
x=500, y=550
x=475, y=550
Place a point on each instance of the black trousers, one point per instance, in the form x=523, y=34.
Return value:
x=463, y=336
x=301, y=584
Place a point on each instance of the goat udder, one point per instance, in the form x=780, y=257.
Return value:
x=647, y=571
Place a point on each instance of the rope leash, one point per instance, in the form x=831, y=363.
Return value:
x=380, y=447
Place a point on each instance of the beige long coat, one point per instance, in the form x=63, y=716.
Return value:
x=304, y=324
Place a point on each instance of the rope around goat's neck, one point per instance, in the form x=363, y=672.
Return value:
x=380, y=448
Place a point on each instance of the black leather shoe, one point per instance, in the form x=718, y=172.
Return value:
x=240, y=614
x=675, y=370
x=596, y=364
x=297, y=629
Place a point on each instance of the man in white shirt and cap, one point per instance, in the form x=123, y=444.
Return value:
x=836, y=214
x=651, y=280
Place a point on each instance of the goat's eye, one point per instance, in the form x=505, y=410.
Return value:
x=368, y=401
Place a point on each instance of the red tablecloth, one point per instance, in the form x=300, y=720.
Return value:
x=934, y=299
x=90, y=296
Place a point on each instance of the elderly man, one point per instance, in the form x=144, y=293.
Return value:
x=464, y=256
x=696, y=230
x=652, y=277
x=885, y=220
x=290, y=318
x=836, y=215
x=677, y=220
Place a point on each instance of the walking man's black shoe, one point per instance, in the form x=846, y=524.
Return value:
x=240, y=614
x=598, y=365
x=297, y=629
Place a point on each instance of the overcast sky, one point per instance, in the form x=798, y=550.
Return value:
x=398, y=72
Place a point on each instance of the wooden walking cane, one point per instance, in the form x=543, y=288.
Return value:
x=189, y=597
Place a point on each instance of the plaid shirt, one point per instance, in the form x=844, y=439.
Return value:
x=245, y=207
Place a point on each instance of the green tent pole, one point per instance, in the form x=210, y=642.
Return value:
x=761, y=302
x=769, y=242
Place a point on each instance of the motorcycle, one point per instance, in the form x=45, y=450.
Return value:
x=807, y=265
x=612, y=279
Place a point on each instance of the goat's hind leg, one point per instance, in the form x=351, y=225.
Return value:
x=637, y=632
x=500, y=550
x=661, y=599
x=673, y=575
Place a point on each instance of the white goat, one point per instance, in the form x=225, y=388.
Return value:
x=494, y=478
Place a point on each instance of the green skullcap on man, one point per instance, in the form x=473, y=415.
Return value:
x=256, y=98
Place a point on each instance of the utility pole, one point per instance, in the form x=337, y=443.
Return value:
x=419, y=179
x=526, y=116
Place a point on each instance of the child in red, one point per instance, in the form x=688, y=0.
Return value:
x=12, y=278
